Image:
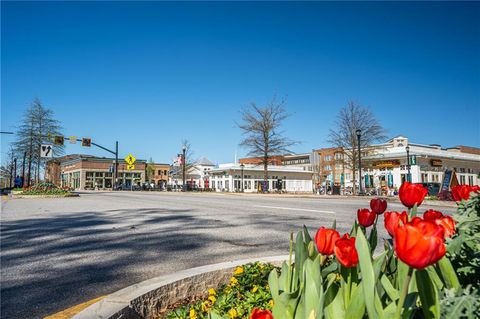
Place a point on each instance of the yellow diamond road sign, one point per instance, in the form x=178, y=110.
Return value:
x=130, y=166
x=130, y=159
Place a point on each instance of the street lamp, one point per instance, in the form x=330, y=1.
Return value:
x=409, y=178
x=359, y=134
x=184, y=149
x=242, y=167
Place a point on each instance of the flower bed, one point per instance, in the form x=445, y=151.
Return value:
x=430, y=268
x=44, y=190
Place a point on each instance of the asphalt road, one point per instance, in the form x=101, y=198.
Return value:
x=56, y=253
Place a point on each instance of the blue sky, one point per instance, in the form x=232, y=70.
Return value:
x=149, y=74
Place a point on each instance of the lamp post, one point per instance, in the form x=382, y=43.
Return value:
x=409, y=178
x=184, y=149
x=242, y=167
x=359, y=134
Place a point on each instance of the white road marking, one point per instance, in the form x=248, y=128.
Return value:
x=299, y=209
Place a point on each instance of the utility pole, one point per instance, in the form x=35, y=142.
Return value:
x=359, y=134
x=409, y=178
x=23, y=168
x=116, y=165
x=184, y=162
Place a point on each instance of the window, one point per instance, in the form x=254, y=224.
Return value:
x=327, y=167
x=159, y=172
x=470, y=180
x=462, y=179
x=338, y=156
x=327, y=158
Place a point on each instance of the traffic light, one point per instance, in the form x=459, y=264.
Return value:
x=58, y=140
x=86, y=142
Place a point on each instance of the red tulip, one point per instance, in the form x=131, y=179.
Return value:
x=460, y=192
x=261, y=314
x=448, y=225
x=366, y=217
x=325, y=239
x=378, y=205
x=346, y=252
x=392, y=219
x=411, y=194
x=419, y=243
x=446, y=222
x=431, y=215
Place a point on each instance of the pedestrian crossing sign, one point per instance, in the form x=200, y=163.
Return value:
x=130, y=159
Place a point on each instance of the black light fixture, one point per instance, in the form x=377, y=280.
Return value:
x=359, y=135
x=184, y=150
x=409, y=177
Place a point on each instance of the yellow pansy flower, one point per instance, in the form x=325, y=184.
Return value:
x=254, y=289
x=212, y=292
x=233, y=281
x=270, y=303
x=212, y=299
x=232, y=313
x=205, y=306
x=193, y=314
x=238, y=271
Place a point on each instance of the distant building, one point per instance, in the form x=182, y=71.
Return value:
x=228, y=178
x=161, y=173
x=86, y=172
x=196, y=174
x=272, y=160
x=385, y=165
x=298, y=160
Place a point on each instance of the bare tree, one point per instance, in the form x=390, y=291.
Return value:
x=261, y=129
x=349, y=119
x=37, y=127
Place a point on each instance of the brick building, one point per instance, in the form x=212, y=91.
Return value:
x=84, y=172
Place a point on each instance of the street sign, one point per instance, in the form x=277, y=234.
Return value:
x=130, y=167
x=58, y=140
x=130, y=159
x=86, y=141
x=413, y=159
x=73, y=139
x=46, y=151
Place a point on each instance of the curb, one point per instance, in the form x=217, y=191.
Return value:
x=120, y=303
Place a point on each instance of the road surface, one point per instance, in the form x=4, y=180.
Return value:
x=56, y=253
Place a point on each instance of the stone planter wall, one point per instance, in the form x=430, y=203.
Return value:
x=145, y=300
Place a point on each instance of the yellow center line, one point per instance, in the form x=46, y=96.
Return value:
x=70, y=312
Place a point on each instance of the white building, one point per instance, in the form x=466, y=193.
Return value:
x=228, y=178
x=196, y=175
x=385, y=165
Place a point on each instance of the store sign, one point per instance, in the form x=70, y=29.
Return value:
x=386, y=164
x=449, y=180
x=436, y=163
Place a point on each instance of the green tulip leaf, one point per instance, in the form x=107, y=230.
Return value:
x=356, y=308
x=372, y=301
x=273, y=284
x=306, y=234
x=448, y=273
x=334, y=307
x=428, y=295
x=389, y=289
